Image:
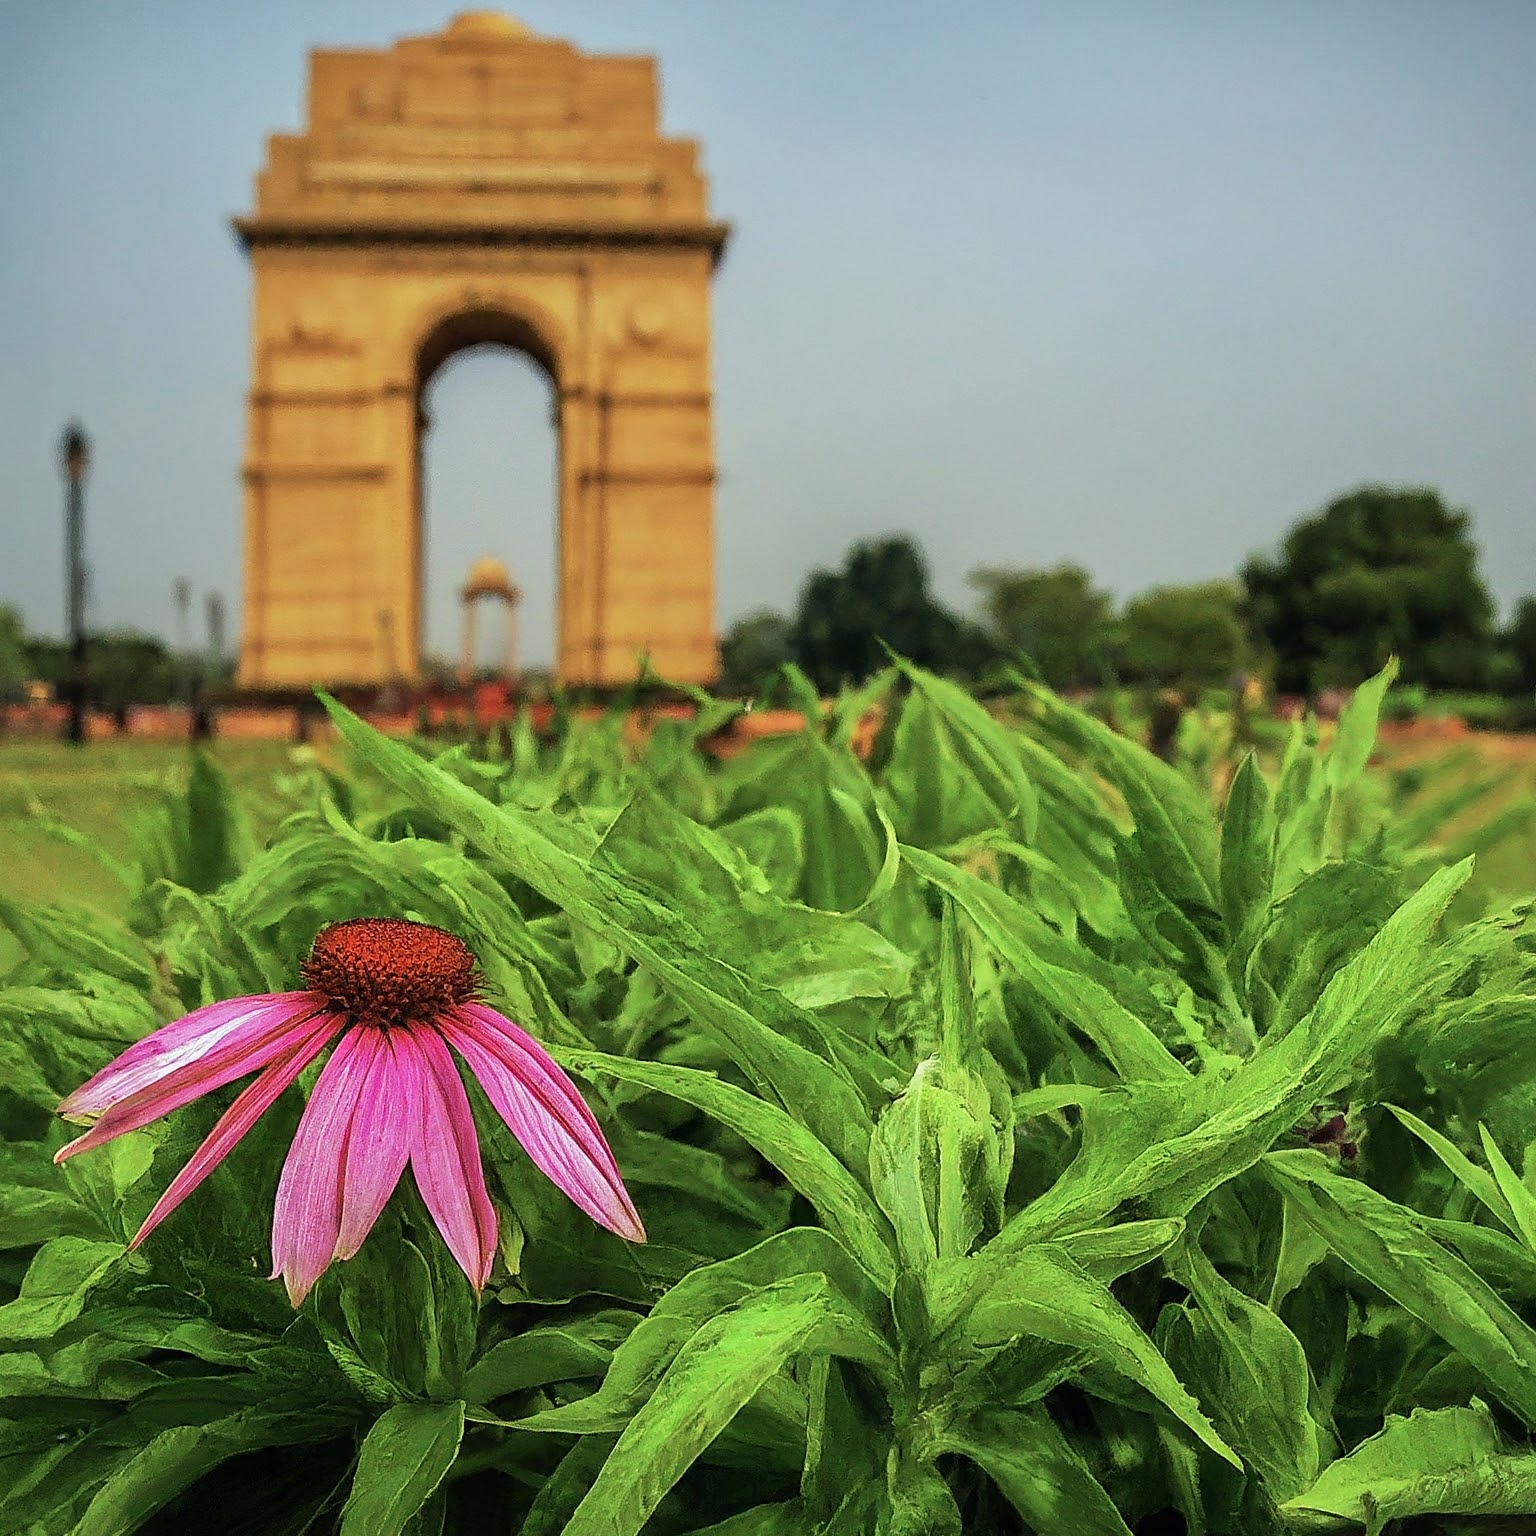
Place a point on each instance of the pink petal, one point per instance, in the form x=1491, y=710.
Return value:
x=248, y=1107
x=380, y=1141
x=545, y=1111
x=445, y=1153
x=179, y=1044
x=246, y=1043
x=307, y=1217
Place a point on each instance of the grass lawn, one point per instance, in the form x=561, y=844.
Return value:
x=99, y=789
x=1506, y=870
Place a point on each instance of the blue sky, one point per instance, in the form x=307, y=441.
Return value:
x=1128, y=284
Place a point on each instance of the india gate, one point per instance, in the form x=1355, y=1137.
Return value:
x=480, y=185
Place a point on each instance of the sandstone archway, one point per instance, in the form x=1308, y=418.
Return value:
x=480, y=185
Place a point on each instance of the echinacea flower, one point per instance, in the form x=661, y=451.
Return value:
x=394, y=996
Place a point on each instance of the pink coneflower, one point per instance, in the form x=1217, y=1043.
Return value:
x=397, y=994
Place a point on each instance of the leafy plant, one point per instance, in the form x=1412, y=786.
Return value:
x=1025, y=1144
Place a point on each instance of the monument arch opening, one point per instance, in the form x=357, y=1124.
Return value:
x=489, y=455
x=479, y=185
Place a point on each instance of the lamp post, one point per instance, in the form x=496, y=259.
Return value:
x=77, y=457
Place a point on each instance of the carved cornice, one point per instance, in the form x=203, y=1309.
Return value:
x=323, y=397
x=686, y=474
x=256, y=472
x=709, y=234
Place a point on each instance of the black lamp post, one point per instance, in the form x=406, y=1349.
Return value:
x=77, y=457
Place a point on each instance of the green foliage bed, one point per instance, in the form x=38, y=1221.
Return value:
x=1024, y=1146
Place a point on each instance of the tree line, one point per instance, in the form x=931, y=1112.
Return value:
x=124, y=667
x=1376, y=573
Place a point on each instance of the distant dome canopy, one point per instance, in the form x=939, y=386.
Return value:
x=490, y=25
x=488, y=577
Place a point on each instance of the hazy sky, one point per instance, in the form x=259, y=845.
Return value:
x=1130, y=284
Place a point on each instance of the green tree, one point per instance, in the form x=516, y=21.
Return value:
x=1057, y=617
x=124, y=667
x=881, y=593
x=1185, y=636
x=1520, y=642
x=755, y=646
x=15, y=668
x=1378, y=572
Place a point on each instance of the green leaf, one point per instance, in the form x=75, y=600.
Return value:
x=1109, y=1252
x=450, y=1318
x=383, y=1294
x=1243, y=1361
x=802, y=694
x=176, y=1458
x=954, y=770
x=890, y=867
x=1247, y=848
x=853, y=703
x=682, y=1172
x=1041, y=883
x=566, y=1486
x=716, y=1373
x=1077, y=832
x=405, y=1456
x=976, y=1153
x=1043, y=1292
x=824, y=959
x=219, y=841
x=814, y=958
x=1478, y=1180
x=789, y=1146
x=70, y=937
x=1521, y=1202
x=1302, y=1249
x=774, y=840
x=918, y=1499
x=1303, y=803
x=1357, y=729
x=1056, y=969
x=561, y=1352
x=1388, y=1244
x=902, y=1172
x=1444, y=1461
x=1326, y=919
x=58, y=1281
x=762, y=1519
x=1051, y=1098
x=1039, y=1471
x=847, y=1448
x=1173, y=821
x=704, y=1293
x=1132, y=1141
x=408, y=1310
x=90, y=1442
x=101, y=1335
x=1506, y=1264
x=829, y=793
x=940, y=1155
x=35, y=1201
x=1422, y=823
x=51, y=1039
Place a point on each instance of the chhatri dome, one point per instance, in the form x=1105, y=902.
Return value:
x=488, y=577
x=487, y=26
